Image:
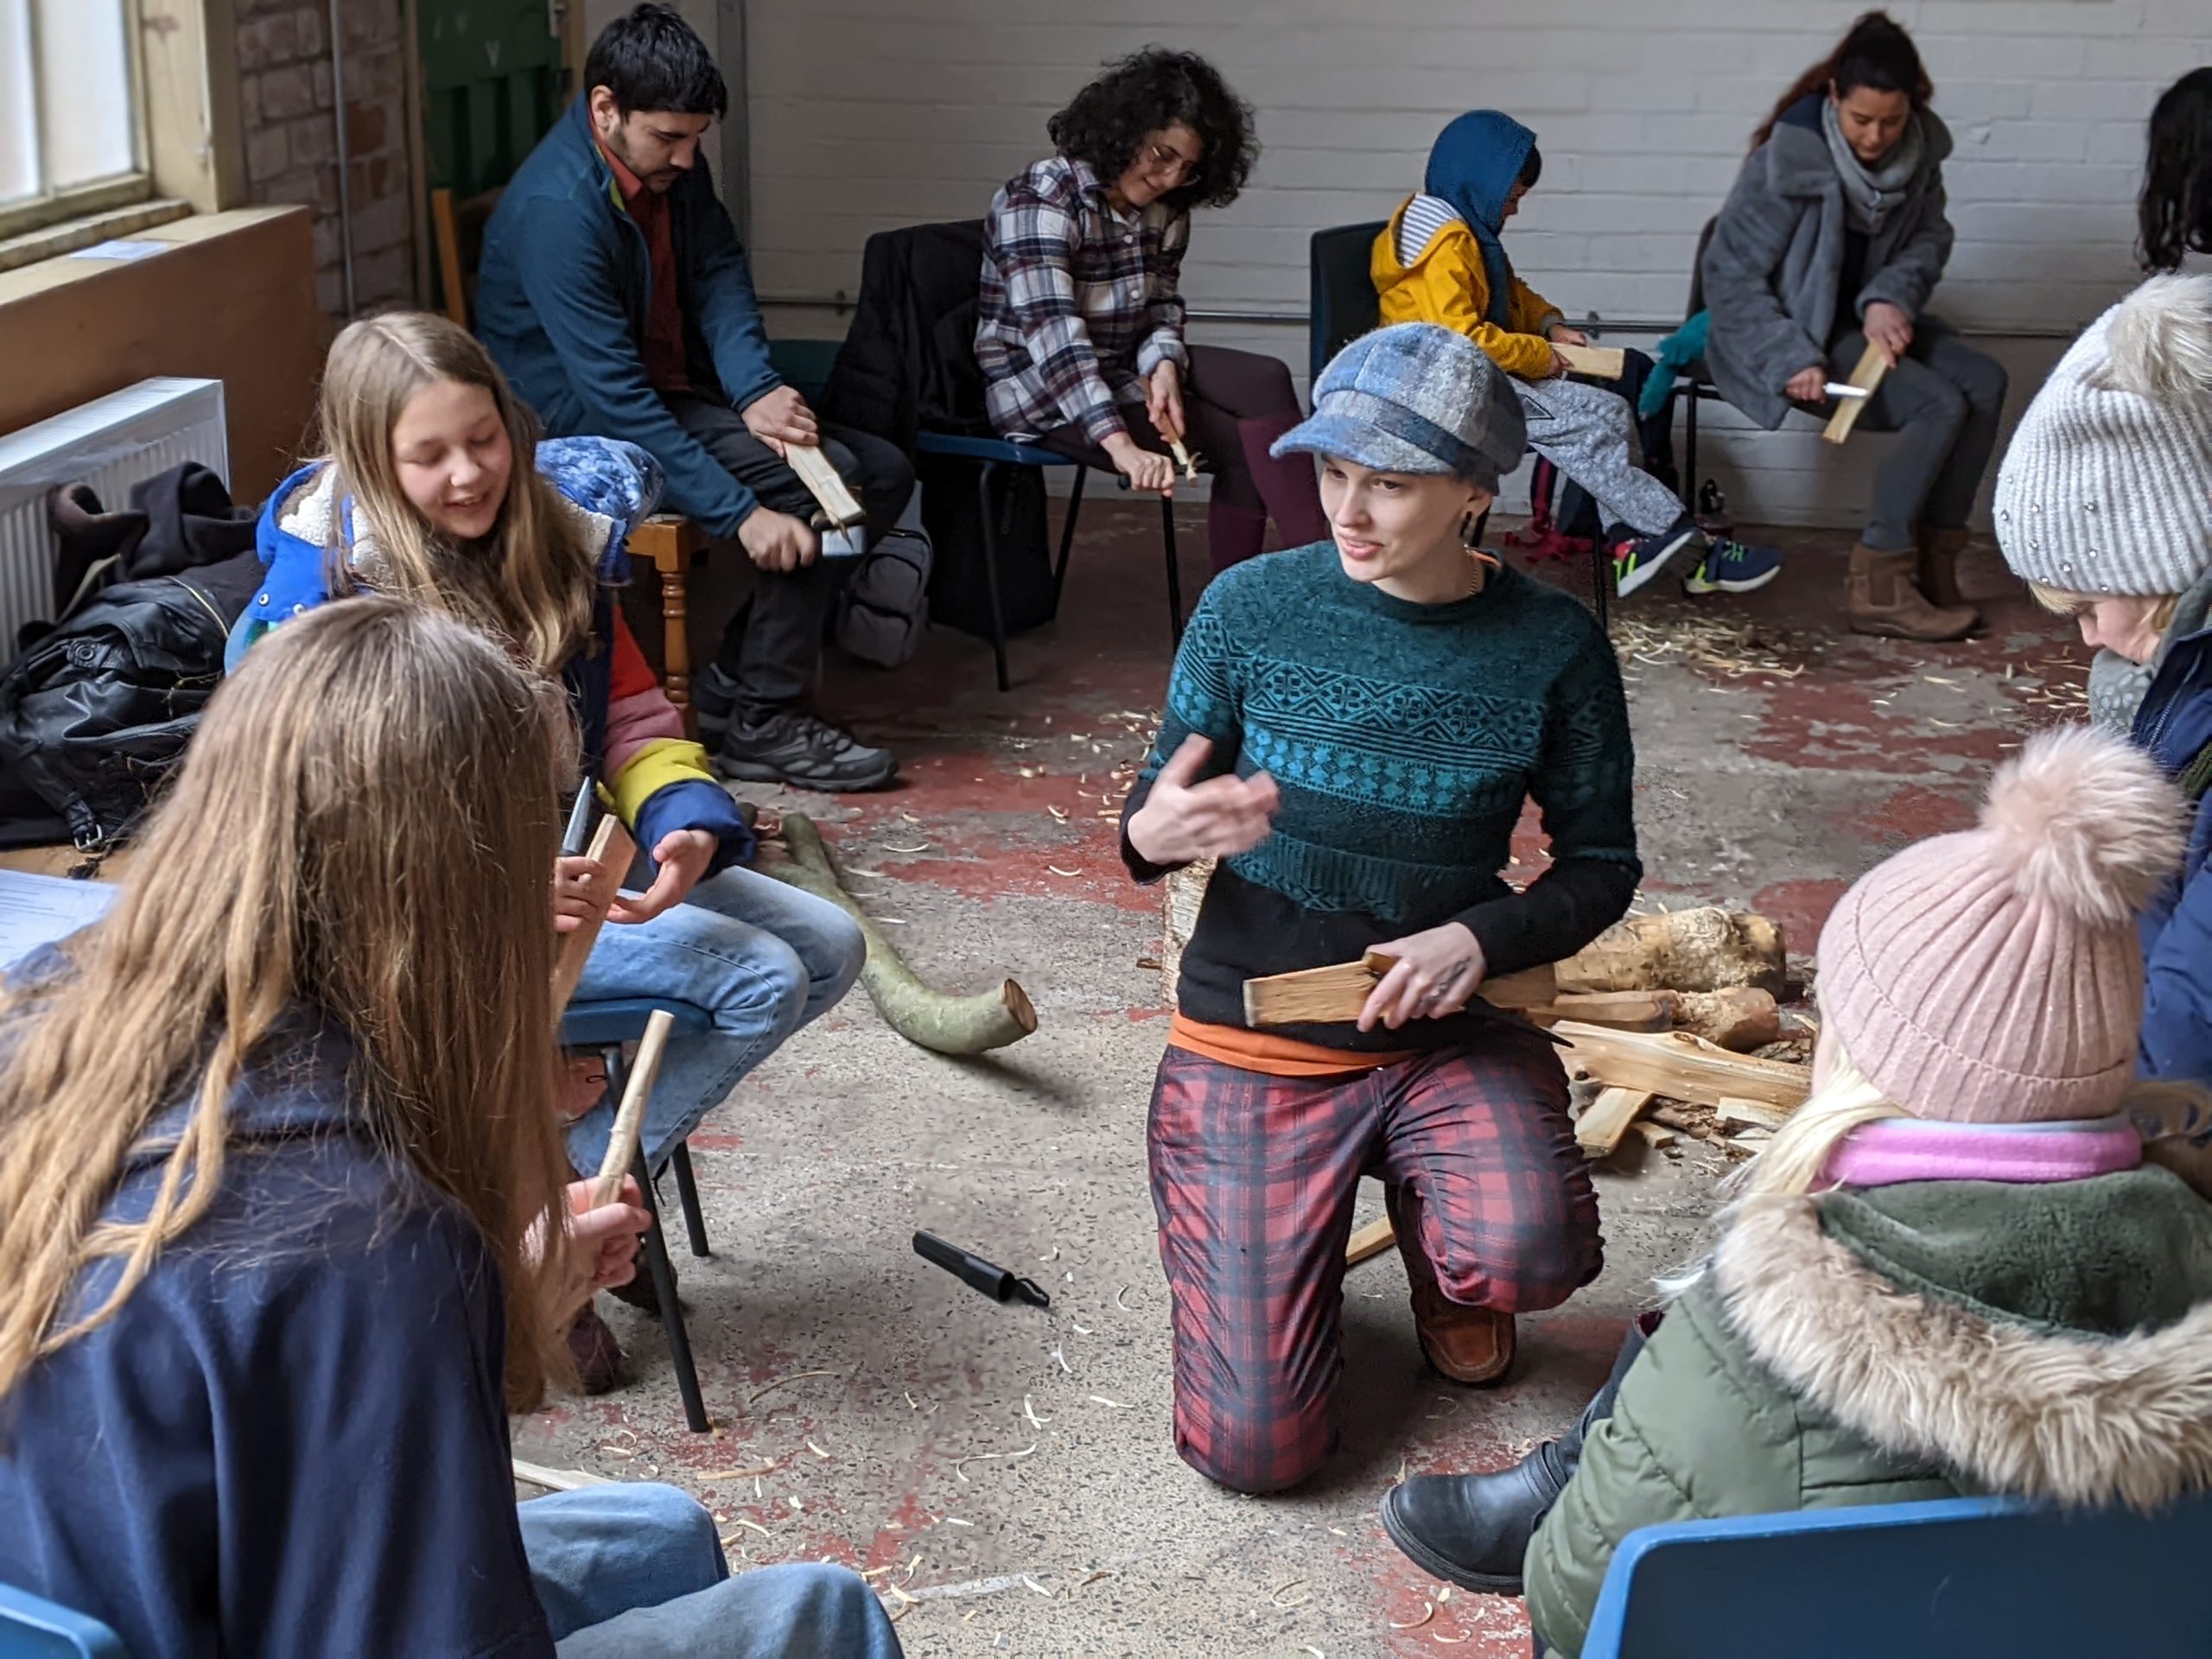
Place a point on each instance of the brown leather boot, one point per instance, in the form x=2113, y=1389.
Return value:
x=1936, y=573
x=1467, y=1345
x=1883, y=601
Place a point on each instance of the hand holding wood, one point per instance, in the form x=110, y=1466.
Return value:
x=1187, y=817
x=1434, y=974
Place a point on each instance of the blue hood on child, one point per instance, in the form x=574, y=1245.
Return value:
x=1473, y=165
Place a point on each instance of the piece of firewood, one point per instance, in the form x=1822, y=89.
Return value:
x=930, y=1019
x=1182, y=892
x=1371, y=1240
x=1335, y=994
x=1599, y=1129
x=612, y=850
x=630, y=1117
x=1872, y=365
x=828, y=488
x=1622, y=1010
x=1599, y=362
x=1739, y=1018
x=1756, y=1113
x=1707, y=949
x=557, y=1480
x=1655, y=1135
x=1679, y=1065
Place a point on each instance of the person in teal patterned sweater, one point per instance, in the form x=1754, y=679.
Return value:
x=1352, y=729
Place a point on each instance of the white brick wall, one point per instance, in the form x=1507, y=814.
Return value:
x=871, y=113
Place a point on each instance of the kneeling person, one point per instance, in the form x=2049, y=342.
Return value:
x=1352, y=728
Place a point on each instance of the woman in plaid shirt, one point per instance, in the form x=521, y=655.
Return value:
x=1080, y=322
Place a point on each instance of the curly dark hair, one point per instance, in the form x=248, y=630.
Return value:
x=2176, y=207
x=1105, y=123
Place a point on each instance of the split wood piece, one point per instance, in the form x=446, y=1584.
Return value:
x=1707, y=949
x=1622, y=1010
x=1370, y=1241
x=1655, y=1135
x=1680, y=1066
x=1739, y=1018
x=1872, y=365
x=1335, y=994
x=612, y=850
x=1599, y=1129
x=815, y=471
x=557, y=1480
x=1758, y=1114
x=930, y=1019
x=630, y=1117
x=1186, y=890
x=1600, y=362
x=1182, y=459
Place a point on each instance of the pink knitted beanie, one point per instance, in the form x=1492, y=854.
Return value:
x=1993, y=976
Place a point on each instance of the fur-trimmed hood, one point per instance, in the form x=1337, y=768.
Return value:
x=2031, y=1371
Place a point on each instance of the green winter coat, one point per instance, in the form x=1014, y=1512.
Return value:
x=1884, y=1344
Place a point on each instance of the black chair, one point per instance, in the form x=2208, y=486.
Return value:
x=1695, y=378
x=908, y=372
x=1345, y=306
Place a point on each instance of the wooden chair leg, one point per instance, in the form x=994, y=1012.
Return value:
x=687, y=1194
x=675, y=641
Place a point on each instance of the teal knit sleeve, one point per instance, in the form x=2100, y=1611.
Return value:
x=1584, y=784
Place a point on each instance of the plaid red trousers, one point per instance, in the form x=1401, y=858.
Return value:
x=1254, y=1177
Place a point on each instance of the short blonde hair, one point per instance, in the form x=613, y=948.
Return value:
x=2063, y=603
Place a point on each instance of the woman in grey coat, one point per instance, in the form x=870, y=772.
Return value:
x=1833, y=239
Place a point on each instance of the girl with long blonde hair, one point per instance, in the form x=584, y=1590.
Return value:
x=437, y=489
x=1978, y=1259
x=282, y=1217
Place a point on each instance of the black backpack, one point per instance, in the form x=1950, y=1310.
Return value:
x=95, y=712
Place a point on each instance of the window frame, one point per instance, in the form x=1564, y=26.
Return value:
x=30, y=214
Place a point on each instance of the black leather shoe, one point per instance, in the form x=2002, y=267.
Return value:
x=791, y=746
x=1473, y=1530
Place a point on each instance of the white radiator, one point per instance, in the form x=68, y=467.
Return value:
x=110, y=443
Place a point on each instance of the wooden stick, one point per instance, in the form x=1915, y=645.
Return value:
x=1872, y=365
x=1680, y=1066
x=557, y=1480
x=1756, y=1113
x=815, y=471
x=629, y=1117
x=1183, y=458
x=1599, y=1131
x=1622, y=1010
x=1599, y=362
x=1335, y=994
x=1371, y=1240
x=612, y=850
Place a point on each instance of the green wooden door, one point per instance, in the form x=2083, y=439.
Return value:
x=491, y=84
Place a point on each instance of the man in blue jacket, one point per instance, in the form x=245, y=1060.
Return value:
x=616, y=297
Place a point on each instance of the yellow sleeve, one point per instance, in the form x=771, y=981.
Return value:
x=1449, y=286
x=651, y=767
x=1530, y=310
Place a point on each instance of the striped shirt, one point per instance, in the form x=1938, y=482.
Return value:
x=1424, y=217
x=1078, y=304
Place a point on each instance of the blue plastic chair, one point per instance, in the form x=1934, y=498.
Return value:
x=1964, y=1576
x=605, y=1026
x=32, y=1627
x=1343, y=305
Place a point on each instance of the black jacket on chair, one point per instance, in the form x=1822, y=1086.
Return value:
x=908, y=362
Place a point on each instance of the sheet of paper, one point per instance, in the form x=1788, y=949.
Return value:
x=37, y=909
x=121, y=250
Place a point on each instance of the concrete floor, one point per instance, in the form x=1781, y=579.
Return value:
x=1005, y=1473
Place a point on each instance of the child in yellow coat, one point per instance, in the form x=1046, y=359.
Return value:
x=1440, y=260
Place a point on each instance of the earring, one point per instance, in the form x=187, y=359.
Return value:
x=1467, y=533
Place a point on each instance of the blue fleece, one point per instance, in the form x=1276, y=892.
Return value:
x=293, y=1438
x=2175, y=724
x=563, y=294
x=1473, y=165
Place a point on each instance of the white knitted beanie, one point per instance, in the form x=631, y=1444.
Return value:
x=2106, y=488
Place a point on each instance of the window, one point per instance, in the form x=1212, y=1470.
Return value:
x=72, y=141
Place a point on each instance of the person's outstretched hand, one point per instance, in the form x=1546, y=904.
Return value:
x=1186, y=818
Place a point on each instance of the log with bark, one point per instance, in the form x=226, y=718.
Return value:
x=930, y=1019
x=1705, y=949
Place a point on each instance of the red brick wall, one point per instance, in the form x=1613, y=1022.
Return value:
x=286, y=107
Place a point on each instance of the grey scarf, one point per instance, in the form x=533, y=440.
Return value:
x=1869, y=197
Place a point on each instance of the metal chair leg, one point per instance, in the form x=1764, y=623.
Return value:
x=686, y=1194
x=1691, y=482
x=1174, y=569
x=672, y=1311
x=1067, y=533
x=991, y=569
x=1601, y=584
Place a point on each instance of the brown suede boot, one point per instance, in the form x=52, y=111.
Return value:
x=1883, y=601
x=1937, y=573
x=1467, y=1345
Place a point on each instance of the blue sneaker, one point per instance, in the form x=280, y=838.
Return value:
x=1732, y=567
x=1637, y=559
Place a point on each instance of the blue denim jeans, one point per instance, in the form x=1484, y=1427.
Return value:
x=635, y=1568
x=760, y=957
